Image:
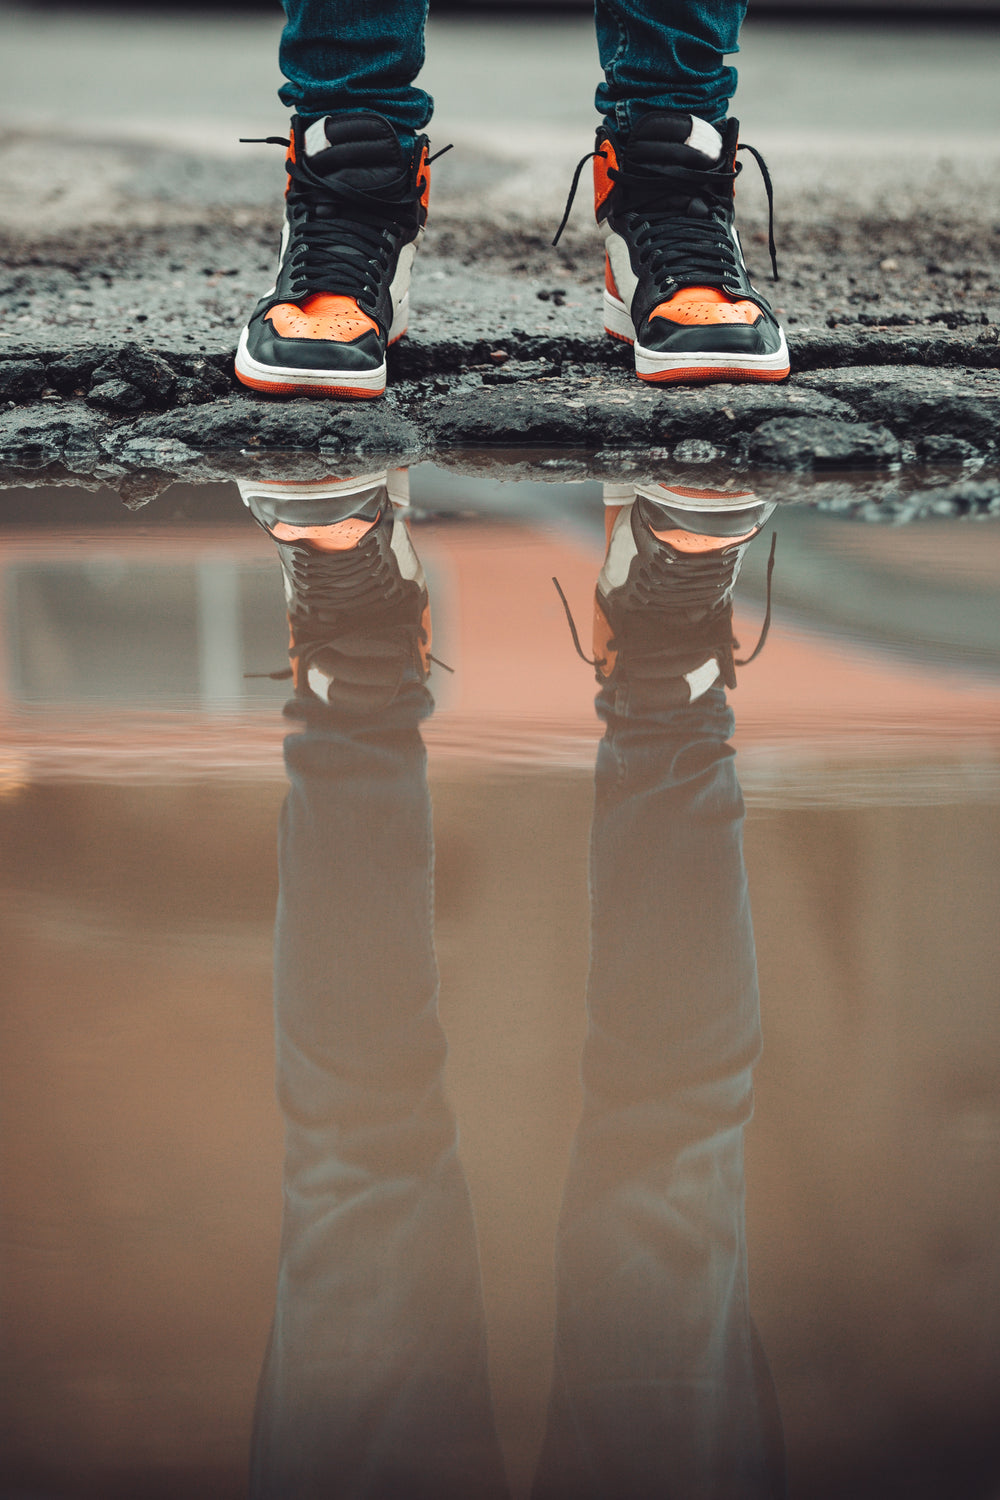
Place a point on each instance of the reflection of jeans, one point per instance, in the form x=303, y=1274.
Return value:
x=341, y=55
x=660, y=1388
x=375, y=1383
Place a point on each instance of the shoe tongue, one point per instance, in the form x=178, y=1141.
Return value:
x=360, y=150
x=677, y=140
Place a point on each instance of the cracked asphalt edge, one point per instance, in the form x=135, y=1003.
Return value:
x=910, y=436
x=894, y=320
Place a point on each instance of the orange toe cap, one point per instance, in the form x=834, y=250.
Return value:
x=339, y=536
x=705, y=304
x=321, y=316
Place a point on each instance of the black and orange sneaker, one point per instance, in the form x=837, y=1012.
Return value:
x=676, y=286
x=358, y=614
x=663, y=608
x=355, y=208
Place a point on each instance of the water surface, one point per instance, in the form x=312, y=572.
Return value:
x=142, y=780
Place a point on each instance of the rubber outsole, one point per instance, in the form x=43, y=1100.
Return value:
x=272, y=388
x=701, y=369
x=704, y=375
x=680, y=497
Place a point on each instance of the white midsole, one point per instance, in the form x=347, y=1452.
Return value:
x=308, y=489
x=680, y=499
x=358, y=380
x=703, y=500
x=618, y=321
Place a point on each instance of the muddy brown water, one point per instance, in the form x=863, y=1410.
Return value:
x=575, y=1301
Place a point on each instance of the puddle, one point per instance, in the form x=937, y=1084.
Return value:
x=605, y=1244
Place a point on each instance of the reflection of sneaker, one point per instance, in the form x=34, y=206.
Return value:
x=676, y=287
x=354, y=211
x=663, y=612
x=358, y=615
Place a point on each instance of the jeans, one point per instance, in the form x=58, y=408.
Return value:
x=660, y=1384
x=375, y=1384
x=343, y=55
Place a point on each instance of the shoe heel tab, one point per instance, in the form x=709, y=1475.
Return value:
x=295, y=129
x=605, y=161
x=730, y=132
x=421, y=167
x=422, y=175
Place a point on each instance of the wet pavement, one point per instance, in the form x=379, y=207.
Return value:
x=531, y=1213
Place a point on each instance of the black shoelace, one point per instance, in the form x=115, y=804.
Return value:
x=658, y=626
x=344, y=237
x=332, y=584
x=678, y=248
x=357, y=596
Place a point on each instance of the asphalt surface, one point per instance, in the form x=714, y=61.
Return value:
x=132, y=220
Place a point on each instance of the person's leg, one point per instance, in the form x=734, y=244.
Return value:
x=355, y=203
x=666, y=55
x=375, y=1383
x=660, y=1387
x=676, y=285
x=339, y=56
x=656, y=1387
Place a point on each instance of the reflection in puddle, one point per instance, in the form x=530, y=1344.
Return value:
x=142, y=1152
x=376, y=1379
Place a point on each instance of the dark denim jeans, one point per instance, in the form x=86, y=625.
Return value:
x=342, y=55
x=660, y=1385
x=375, y=1385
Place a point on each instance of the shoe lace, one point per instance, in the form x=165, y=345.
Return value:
x=660, y=624
x=677, y=248
x=357, y=595
x=350, y=232
x=332, y=584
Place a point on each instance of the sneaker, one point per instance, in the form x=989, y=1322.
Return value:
x=354, y=211
x=676, y=286
x=663, y=611
x=358, y=613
